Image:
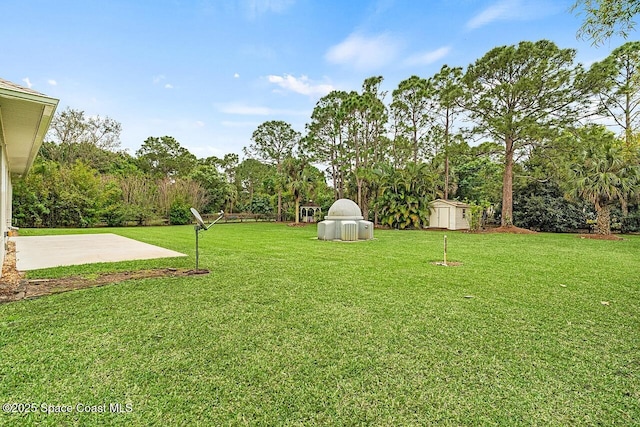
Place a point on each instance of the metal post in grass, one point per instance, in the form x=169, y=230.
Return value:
x=200, y=225
x=445, y=251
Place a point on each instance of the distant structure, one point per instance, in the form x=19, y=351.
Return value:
x=310, y=212
x=345, y=222
x=449, y=214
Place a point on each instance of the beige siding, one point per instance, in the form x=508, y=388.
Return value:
x=449, y=215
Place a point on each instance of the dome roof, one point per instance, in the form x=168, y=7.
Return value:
x=344, y=209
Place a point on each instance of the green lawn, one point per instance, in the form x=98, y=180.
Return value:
x=289, y=330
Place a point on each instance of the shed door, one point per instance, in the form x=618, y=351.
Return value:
x=443, y=217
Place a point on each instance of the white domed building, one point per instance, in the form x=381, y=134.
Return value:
x=345, y=222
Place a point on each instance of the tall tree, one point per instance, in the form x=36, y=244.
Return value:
x=521, y=95
x=326, y=138
x=165, y=157
x=367, y=120
x=273, y=141
x=618, y=77
x=214, y=183
x=251, y=176
x=411, y=108
x=602, y=176
x=301, y=180
x=447, y=86
x=605, y=18
x=74, y=136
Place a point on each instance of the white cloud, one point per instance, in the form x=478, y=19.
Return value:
x=28, y=82
x=236, y=76
x=301, y=85
x=157, y=79
x=426, y=58
x=199, y=123
x=364, y=53
x=513, y=10
x=168, y=86
x=52, y=82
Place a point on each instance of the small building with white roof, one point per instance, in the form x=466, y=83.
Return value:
x=449, y=215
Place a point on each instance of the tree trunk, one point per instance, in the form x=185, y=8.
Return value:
x=507, y=186
x=446, y=155
x=279, y=170
x=279, y=205
x=297, y=210
x=446, y=175
x=603, y=219
x=628, y=129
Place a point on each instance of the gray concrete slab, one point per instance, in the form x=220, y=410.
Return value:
x=35, y=252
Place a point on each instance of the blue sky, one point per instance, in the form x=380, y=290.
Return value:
x=208, y=72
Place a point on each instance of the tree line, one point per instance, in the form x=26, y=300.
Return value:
x=548, y=144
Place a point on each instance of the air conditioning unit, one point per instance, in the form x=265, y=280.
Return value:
x=349, y=231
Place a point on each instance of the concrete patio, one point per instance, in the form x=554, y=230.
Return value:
x=36, y=252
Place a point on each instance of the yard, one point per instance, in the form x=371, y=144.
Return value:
x=539, y=329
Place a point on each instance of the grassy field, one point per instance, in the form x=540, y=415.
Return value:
x=286, y=330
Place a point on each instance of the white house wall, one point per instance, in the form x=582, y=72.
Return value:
x=5, y=199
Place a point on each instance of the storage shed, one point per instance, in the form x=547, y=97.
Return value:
x=449, y=214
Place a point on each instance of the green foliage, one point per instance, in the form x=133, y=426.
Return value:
x=479, y=179
x=326, y=138
x=179, y=213
x=411, y=108
x=165, y=157
x=59, y=196
x=113, y=212
x=631, y=223
x=403, y=202
x=139, y=197
x=476, y=214
x=92, y=140
x=261, y=204
x=521, y=96
x=181, y=191
x=605, y=18
x=602, y=175
x=616, y=81
x=524, y=100
x=542, y=206
x=273, y=142
x=215, y=185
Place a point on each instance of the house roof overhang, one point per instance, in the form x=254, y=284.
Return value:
x=25, y=116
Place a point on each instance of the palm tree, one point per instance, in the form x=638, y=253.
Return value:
x=300, y=180
x=603, y=177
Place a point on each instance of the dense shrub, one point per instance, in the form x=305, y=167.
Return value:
x=404, y=199
x=631, y=223
x=542, y=207
x=179, y=213
x=261, y=204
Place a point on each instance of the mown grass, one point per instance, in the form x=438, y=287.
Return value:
x=288, y=330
